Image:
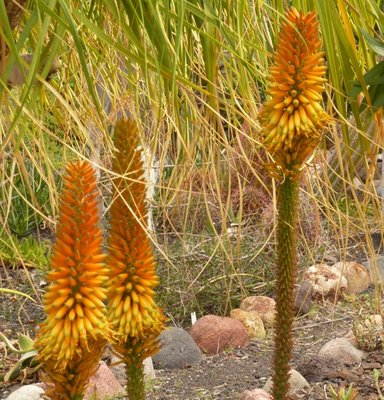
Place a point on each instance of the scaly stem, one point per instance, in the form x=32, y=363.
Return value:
x=135, y=379
x=286, y=275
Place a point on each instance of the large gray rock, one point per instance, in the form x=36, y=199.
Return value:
x=342, y=351
x=27, y=392
x=178, y=350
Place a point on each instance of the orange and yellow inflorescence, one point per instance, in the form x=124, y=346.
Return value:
x=132, y=311
x=74, y=302
x=292, y=117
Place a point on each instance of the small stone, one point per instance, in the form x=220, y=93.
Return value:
x=330, y=259
x=342, y=351
x=256, y=394
x=296, y=383
x=252, y=322
x=358, y=278
x=102, y=384
x=327, y=282
x=370, y=365
x=214, y=334
x=27, y=392
x=303, y=298
x=263, y=305
x=149, y=370
x=177, y=350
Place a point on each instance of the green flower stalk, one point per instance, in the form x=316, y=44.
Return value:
x=72, y=338
x=292, y=119
x=132, y=311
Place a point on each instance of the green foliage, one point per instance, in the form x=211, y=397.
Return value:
x=28, y=251
x=27, y=362
x=344, y=394
x=374, y=78
x=27, y=199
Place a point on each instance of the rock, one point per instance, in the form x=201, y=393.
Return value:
x=357, y=276
x=264, y=306
x=375, y=187
x=327, y=283
x=178, y=350
x=375, y=265
x=149, y=370
x=330, y=259
x=342, y=351
x=214, y=334
x=255, y=394
x=102, y=384
x=252, y=322
x=296, y=383
x=303, y=298
x=27, y=392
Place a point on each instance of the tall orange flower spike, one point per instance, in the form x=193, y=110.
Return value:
x=74, y=302
x=292, y=118
x=134, y=316
x=132, y=269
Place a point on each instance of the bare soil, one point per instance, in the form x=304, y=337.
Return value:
x=227, y=375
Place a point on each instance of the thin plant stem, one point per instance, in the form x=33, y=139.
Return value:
x=286, y=275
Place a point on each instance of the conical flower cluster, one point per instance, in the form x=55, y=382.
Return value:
x=292, y=118
x=74, y=302
x=132, y=310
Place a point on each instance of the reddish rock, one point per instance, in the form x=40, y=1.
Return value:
x=264, y=306
x=102, y=384
x=357, y=276
x=327, y=282
x=214, y=334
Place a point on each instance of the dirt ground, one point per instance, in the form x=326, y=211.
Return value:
x=227, y=375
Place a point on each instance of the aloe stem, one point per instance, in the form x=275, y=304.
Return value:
x=135, y=379
x=286, y=275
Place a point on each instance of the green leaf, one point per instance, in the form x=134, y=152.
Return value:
x=374, y=44
x=375, y=75
x=26, y=343
x=14, y=372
